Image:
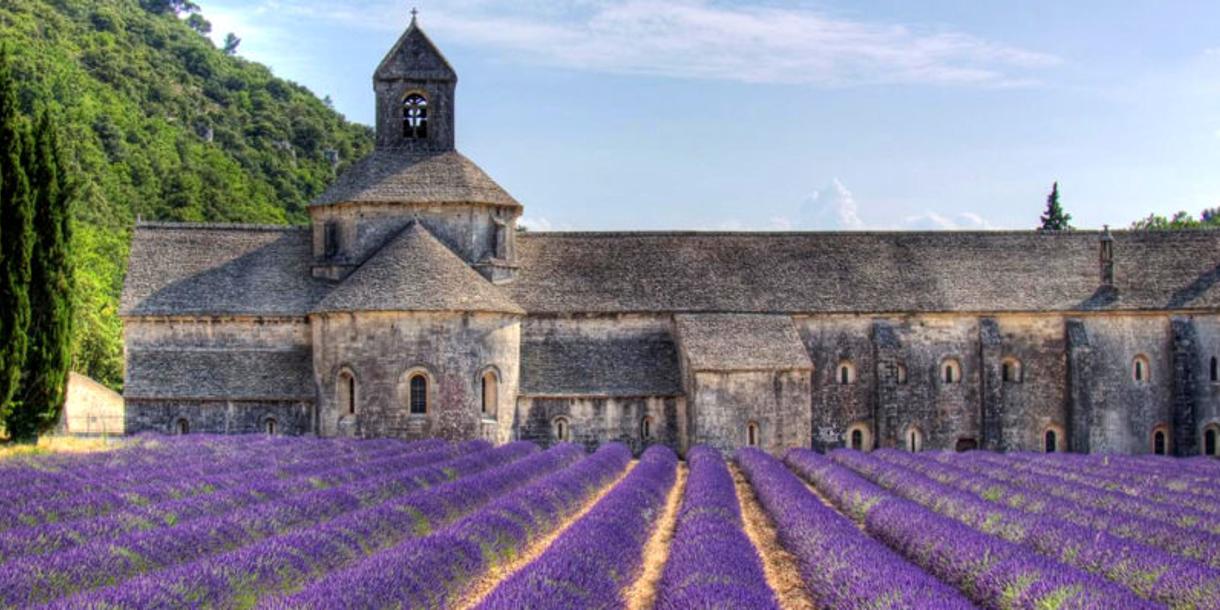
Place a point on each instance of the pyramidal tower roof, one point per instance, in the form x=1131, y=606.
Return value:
x=414, y=57
x=416, y=272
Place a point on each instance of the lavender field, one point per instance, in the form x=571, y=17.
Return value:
x=274, y=522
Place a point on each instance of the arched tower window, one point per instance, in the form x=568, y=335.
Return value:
x=182, y=427
x=347, y=392
x=914, y=439
x=415, y=117
x=950, y=371
x=1209, y=440
x=753, y=435
x=269, y=426
x=1140, y=371
x=1214, y=374
x=561, y=429
x=419, y=394
x=859, y=437
x=1010, y=371
x=490, y=393
x=846, y=373
x=1160, y=440
x=1050, y=441
x=646, y=427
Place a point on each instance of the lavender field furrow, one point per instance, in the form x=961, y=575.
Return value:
x=1192, y=515
x=1119, y=477
x=1150, y=573
x=992, y=571
x=591, y=563
x=287, y=561
x=434, y=570
x=1200, y=546
x=280, y=523
x=842, y=567
x=711, y=560
x=41, y=579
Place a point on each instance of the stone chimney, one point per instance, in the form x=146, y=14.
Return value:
x=1106, y=257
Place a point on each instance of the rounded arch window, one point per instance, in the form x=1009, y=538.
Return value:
x=859, y=437
x=415, y=116
x=846, y=373
x=1011, y=371
x=950, y=371
x=913, y=439
x=182, y=426
x=346, y=392
x=418, y=394
x=1141, y=372
x=1053, y=440
x=1160, y=440
x=270, y=426
x=753, y=435
x=561, y=429
x=489, y=390
x=1211, y=437
x=646, y=427
x=900, y=373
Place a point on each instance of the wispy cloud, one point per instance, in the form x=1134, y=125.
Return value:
x=701, y=39
x=833, y=207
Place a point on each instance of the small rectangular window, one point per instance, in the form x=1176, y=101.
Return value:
x=331, y=239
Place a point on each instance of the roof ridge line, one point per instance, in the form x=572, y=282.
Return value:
x=221, y=226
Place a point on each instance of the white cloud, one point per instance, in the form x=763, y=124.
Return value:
x=539, y=223
x=701, y=39
x=932, y=221
x=831, y=208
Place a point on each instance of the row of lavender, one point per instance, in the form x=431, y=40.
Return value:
x=300, y=485
x=1030, y=531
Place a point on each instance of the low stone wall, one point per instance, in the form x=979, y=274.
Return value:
x=91, y=408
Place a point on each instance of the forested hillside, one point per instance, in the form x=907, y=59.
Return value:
x=159, y=123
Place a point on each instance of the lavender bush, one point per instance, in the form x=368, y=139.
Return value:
x=590, y=564
x=712, y=562
x=993, y=572
x=433, y=571
x=842, y=567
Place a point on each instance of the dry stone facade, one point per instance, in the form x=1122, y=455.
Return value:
x=413, y=307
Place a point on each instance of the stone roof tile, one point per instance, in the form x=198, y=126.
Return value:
x=215, y=269
x=220, y=374
x=416, y=272
x=563, y=365
x=393, y=175
x=740, y=342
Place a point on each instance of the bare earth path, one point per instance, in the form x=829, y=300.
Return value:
x=483, y=587
x=643, y=592
x=779, y=565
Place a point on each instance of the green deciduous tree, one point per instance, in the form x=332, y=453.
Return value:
x=1055, y=219
x=16, y=236
x=49, y=354
x=231, y=43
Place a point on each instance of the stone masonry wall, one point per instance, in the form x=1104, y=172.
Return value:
x=597, y=420
x=218, y=416
x=383, y=349
x=723, y=404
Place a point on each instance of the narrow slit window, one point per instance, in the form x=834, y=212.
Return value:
x=1209, y=441
x=489, y=394
x=646, y=428
x=1051, y=442
x=183, y=427
x=1160, y=443
x=561, y=429
x=1140, y=370
x=419, y=395
x=269, y=426
x=752, y=434
x=1214, y=373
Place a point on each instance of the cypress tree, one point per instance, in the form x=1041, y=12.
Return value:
x=1055, y=219
x=16, y=218
x=49, y=354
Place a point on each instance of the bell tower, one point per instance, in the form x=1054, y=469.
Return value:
x=414, y=86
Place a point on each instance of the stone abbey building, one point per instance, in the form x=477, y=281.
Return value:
x=412, y=306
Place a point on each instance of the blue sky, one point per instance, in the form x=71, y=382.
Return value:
x=695, y=114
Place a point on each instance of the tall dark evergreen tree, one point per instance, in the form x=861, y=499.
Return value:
x=1055, y=219
x=16, y=241
x=49, y=354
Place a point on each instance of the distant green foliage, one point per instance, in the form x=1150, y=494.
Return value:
x=231, y=44
x=1208, y=219
x=16, y=236
x=1055, y=219
x=157, y=122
